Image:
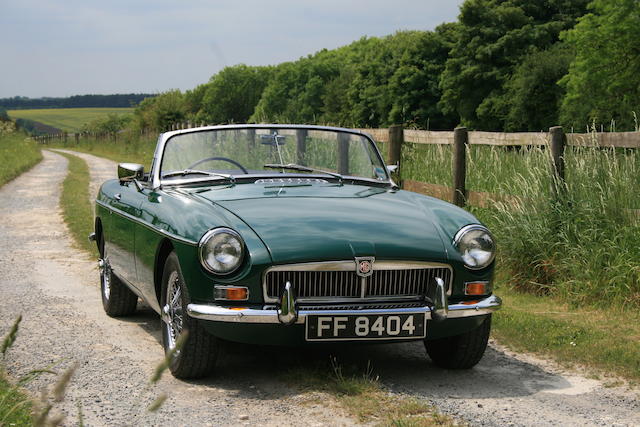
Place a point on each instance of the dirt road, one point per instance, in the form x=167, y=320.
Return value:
x=55, y=287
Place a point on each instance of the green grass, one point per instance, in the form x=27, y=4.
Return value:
x=15, y=406
x=130, y=147
x=18, y=154
x=76, y=207
x=605, y=340
x=67, y=119
x=358, y=391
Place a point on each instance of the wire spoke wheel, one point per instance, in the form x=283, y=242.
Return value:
x=197, y=354
x=173, y=309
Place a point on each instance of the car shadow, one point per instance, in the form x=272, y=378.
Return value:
x=270, y=372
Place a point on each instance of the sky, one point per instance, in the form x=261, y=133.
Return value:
x=73, y=47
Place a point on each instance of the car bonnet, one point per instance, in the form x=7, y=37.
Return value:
x=333, y=222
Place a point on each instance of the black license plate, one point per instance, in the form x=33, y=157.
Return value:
x=365, y=327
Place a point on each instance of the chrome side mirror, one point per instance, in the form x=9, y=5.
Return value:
x=392, y=168
x=128, y=172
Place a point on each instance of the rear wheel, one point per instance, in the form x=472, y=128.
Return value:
x=198, y=353
x=117, y=299
x=460, y=351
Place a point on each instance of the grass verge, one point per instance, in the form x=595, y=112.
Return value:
x=128, y=148
x=18, y=154
x=361, y=395
x=15, y=406
x=76, y=208
x=606, y=340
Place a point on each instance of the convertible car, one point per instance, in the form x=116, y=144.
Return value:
x=290, y=235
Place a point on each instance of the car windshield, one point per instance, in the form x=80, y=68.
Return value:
x=221, y=153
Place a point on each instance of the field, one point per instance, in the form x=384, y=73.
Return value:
x=66, y=119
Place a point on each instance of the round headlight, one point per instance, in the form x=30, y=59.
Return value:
x=476, y=245
x=221, y=250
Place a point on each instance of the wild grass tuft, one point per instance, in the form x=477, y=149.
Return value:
x=18, y=153
x=358, y=390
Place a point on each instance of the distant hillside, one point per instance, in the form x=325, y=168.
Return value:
x=76, y=101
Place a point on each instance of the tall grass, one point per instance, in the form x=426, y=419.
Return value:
x=18, y=153
x=583, y=246
x=127, y=146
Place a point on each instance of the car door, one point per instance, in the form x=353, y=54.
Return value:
x=120, y=247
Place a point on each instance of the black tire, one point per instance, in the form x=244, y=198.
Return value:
x=460, y=351
x=199, y=352
x=117, y=299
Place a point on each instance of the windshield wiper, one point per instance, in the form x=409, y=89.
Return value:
x=199, y=172
x=295, y=167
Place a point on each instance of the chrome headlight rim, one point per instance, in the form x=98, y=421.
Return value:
x=208, y=236
x=463, y=232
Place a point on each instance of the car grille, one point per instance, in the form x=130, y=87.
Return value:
x=346, y=285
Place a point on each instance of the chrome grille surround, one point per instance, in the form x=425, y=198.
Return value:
x=337, y=281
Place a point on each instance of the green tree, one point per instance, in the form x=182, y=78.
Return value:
x=161, y=111
x=413, y=86
x=532, y=94
x=232, y=94
x=494, y=36
x=603, y=83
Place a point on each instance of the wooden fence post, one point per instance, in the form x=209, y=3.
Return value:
x=301, y=145
x=343, y=153
x=459, y=167
x=558, y=142
x=394, y=153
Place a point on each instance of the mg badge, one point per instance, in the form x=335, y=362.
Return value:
x=364, y=266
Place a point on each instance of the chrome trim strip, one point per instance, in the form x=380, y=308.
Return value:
x=146, y=224
x=217, y=313
x=350, y=265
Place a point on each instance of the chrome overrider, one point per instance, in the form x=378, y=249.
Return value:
x=288, y=314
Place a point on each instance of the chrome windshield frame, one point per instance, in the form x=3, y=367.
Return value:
x=157, y=181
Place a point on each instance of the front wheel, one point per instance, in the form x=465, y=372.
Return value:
x=460, y=351
x=198, y=353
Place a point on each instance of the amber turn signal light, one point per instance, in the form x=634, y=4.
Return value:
x=476, y=288
x=231, y=293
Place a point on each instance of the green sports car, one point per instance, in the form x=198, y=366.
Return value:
x=290, y=235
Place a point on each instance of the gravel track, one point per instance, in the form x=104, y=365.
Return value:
x=55, y=287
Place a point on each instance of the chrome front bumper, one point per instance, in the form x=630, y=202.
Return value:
x=217, y=313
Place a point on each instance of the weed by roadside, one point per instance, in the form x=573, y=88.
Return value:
x=18, y=153
x=358, y=390
x=606, y=340
x=76, y=208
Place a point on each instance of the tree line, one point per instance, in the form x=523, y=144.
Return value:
x=76, y=101
x=505, y=65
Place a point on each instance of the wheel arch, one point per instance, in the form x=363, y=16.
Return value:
x=164, y=249
x=97, y=228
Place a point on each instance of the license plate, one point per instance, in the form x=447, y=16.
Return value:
x=365, y=327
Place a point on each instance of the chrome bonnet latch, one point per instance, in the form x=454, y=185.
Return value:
x=440, y=308
x=287, y=312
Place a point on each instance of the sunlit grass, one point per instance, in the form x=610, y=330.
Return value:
x=359, y=392
x=18, y=153
x=129, y=147
x=76, y=207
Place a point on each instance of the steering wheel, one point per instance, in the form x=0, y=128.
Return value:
x=224, y=159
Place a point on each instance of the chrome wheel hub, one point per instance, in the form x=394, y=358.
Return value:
x=172, y=311
x=105, y=275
